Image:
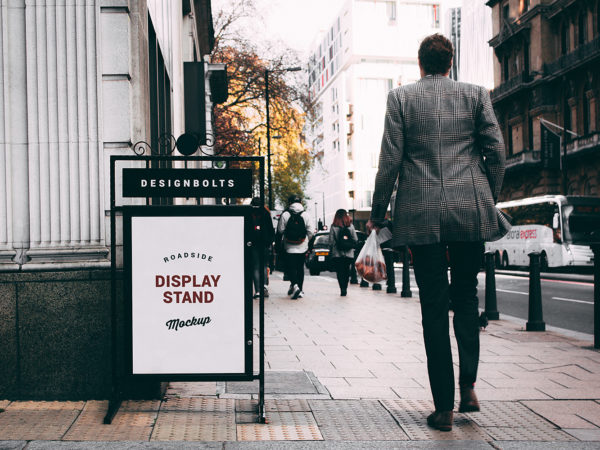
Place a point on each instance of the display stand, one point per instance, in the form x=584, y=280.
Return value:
x=187, y=284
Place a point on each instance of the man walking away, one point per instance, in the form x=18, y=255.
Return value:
x=441, y=141
x=296, y=230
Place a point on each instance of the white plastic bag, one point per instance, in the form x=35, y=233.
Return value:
x=370, y=264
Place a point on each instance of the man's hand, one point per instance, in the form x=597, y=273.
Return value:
x=371, y=226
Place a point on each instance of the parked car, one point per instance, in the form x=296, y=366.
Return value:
x=318, y=258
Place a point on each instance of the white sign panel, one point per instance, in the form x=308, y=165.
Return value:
x=187, y=295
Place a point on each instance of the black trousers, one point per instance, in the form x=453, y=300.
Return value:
x=295, y=268
x=430, y=263
x=342, y=270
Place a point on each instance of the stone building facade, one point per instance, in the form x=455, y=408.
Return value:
x=547, y=66
x=79, y=81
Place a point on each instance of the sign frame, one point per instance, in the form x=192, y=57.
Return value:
x=129, y=212
x=119, y=366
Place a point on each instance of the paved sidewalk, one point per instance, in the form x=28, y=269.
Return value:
x=346, y=372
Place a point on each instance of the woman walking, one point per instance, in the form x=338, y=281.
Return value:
x=342, y=241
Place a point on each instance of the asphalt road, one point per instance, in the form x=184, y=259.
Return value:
x=565, y=304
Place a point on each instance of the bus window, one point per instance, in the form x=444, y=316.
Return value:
x=584, y=223
x=535, y=214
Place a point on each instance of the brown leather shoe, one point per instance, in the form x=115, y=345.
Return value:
x=441, y=420
x=468, y=400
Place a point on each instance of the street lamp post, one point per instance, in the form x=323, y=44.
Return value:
x=289, y=69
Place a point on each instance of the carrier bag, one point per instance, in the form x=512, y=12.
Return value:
x=370, y=264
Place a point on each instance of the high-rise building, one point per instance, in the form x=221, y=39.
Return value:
x=452, y=32
x=476, y=58
x=370, y=48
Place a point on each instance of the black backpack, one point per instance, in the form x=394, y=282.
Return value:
x=295, y=229
x=345, y=240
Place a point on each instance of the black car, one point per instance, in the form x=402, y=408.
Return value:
x=318, y=258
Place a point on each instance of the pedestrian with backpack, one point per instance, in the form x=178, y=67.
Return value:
x=295, y=229
x=342, y=242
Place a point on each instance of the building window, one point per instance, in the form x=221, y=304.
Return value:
x=586, y=115
x=435, y=16
x=530, y=133
x=523, y=6
x=582, y=28
x=564, y=38
x=351, y=175
x=505, y=15
x=368, y=199
x=510, y=141
x=505, y=69
x=351, y=194
x=391, y=11
x=526, y=58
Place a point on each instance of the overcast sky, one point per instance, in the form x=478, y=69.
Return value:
x=294, y=22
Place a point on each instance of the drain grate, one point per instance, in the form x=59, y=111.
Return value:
x=38, y=420
x=275, y=405
x=133, y=422
x=282, y=426
x=412, y=417
x=355, y=420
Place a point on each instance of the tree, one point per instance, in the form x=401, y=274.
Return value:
x=240, y=123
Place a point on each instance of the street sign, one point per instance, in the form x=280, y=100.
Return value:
x=550, y=148
x=231, y=183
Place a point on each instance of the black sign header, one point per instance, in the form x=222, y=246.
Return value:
x=235, y=183
x=550, y=148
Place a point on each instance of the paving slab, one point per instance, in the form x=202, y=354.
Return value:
x=360, y=420
x=412, y=417
x=281, y=426
x=568, y=413
x=525, y=445
x=52, y=445
x=277, y=383
x=12, y=445
x=133, y=422
x=375, y=445
x=38, y=420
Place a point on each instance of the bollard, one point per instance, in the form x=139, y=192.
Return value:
x=491, y=304
x=596, y=249
x=406, y=292
x=536, y=318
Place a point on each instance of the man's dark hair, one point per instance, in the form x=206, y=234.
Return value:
x=435, y=54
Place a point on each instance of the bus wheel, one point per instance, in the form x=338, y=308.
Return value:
x=505, y=261
x=544, y=262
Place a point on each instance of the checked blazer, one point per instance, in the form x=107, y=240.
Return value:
x=443, y=147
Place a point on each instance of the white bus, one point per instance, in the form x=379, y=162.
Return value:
x=556, y=226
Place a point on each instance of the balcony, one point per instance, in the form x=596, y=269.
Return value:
x=524, y=158
x=571, y=61
x=512, y=86
x=584, y=143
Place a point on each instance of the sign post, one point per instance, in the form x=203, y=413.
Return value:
x=187, y=277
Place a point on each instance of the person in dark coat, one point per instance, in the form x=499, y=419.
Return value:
x=263, y=234
x=443, y=145
x=342, y=255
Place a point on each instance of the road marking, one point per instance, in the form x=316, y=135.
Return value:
x=512, y=292
x=572, y=300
